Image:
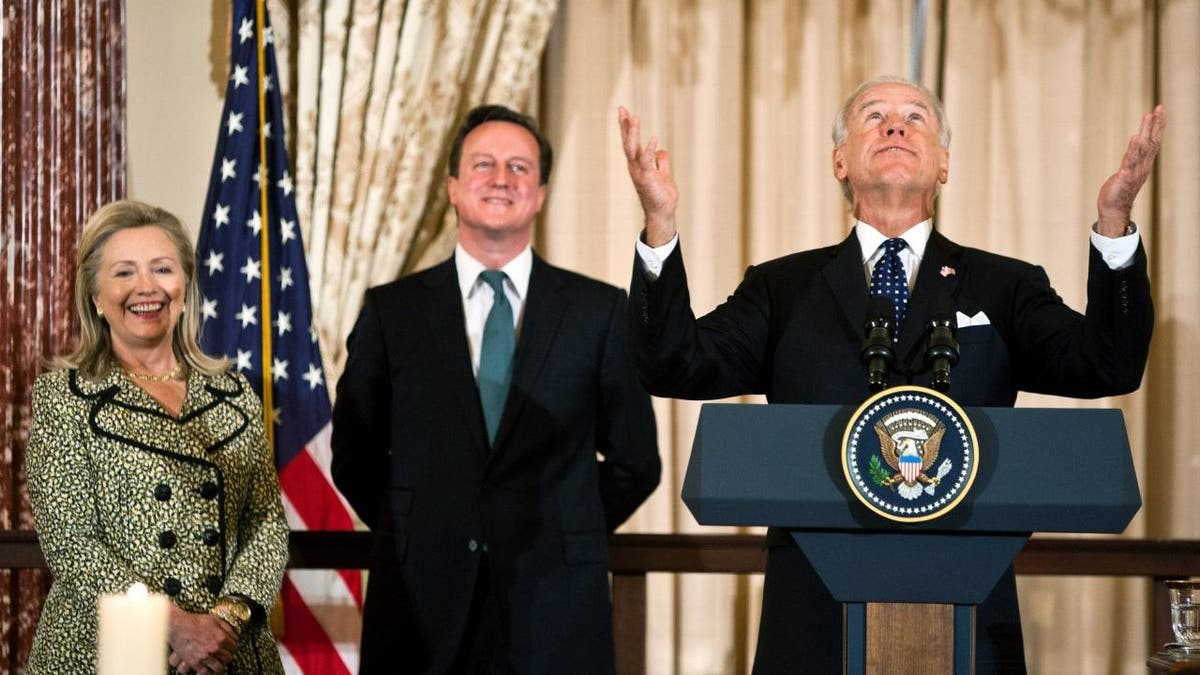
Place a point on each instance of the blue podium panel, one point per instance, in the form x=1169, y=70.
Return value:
x=909, y=567
x=1040, y=470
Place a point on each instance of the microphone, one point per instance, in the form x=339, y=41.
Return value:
x=942, y=352
x=877, y=352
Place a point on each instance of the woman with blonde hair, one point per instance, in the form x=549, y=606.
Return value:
x=148, y=463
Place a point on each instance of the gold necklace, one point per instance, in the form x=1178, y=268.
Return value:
x=146, y=377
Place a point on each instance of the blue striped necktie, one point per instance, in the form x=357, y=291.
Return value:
x=889, y=280
x=495, y=354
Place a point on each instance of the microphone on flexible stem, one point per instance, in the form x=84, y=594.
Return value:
x=942, y=353
x=877, y=351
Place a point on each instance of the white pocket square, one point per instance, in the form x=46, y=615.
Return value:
x=980, y=319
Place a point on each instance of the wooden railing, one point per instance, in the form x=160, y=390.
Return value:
x=633, y=556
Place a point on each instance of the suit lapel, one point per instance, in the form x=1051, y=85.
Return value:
x=937, y=277
x=443, y=309
x=846, y=278
x=544, y=309
x=123, y=412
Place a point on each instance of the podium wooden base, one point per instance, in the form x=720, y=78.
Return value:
x=908, y=639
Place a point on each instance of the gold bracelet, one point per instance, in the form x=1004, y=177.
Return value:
x=234, y=612
x=222, y=613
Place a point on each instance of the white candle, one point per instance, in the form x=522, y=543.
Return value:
x=132, y=639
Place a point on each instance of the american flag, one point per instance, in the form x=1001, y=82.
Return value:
x=321, y=608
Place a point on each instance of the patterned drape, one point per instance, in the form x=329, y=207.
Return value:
x=379, y=88
x=63, y=131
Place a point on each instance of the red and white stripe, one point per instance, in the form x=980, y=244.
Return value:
x=910, y=468
x=322, y=609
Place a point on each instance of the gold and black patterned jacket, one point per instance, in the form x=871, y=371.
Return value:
x=124, y=492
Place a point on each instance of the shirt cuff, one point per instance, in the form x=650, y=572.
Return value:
x=652, y=258
x=1117, y=253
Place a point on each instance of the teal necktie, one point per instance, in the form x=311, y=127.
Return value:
x=495, y=355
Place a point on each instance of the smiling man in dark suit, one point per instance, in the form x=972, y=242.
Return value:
x=793, y=328
x=490, y=430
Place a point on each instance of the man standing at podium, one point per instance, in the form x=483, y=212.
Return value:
x=793, y=328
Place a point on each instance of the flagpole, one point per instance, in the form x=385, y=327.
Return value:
x=267, y=393
x=323, y=609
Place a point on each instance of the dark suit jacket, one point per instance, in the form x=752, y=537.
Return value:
x=793, y=330
x=411, y=455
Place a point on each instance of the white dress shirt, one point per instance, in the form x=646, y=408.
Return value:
x=477, y=295
x=871, y=241
x=1117, y=253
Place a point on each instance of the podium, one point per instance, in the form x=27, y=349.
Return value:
x=1040, y=470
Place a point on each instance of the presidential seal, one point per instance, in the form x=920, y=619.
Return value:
x=910, y=454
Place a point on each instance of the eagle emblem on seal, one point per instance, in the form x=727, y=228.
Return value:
x=909, y=440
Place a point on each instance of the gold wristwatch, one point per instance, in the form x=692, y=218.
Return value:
x=234, y=612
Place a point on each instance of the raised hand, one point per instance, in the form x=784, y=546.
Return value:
x=1115, y=202
x=650, y=169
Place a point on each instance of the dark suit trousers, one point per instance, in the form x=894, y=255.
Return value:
x=485, y=644
x=801, y=629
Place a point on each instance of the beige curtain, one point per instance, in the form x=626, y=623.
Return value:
x=723, y=85
x=379, y=88
x=1042, y=96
